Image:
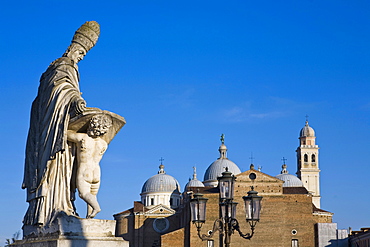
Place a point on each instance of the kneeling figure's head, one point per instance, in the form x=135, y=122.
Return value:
x=99, y=125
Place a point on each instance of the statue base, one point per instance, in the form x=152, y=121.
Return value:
x=67, y=231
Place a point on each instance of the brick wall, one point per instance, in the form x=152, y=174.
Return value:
x=283, y=216
x=175, y=238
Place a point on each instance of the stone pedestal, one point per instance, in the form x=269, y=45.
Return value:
x=71, y=231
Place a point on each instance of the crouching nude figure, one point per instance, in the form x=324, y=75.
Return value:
x=90, y=149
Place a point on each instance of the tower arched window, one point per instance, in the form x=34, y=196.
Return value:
x=295, y=243
x=313, y=158
x=305, y=158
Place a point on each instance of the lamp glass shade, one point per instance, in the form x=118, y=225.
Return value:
x=252, y=206
x=226, y=185
x=198, y=209
x=228, y=209
x=226, y=188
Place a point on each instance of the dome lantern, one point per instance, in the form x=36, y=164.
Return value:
x=217, y=167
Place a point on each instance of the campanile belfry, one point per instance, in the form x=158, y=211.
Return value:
x=308, y=163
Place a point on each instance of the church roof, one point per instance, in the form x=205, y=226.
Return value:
x=194, y=182
x=161, y=182
x=289, y=179
x=138, y=207
x=217, y=167
x=307, y=131
x=320, y=211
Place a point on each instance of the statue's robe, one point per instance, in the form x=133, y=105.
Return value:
x=49, y=159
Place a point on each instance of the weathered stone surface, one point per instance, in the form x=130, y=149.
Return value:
x=68, y=230
x=66, y=140
x=72, y=241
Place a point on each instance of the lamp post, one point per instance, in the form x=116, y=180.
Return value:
x=227, y=223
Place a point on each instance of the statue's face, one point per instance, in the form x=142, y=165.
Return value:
x=75, y=52
x=95, y=132
x=78, y=54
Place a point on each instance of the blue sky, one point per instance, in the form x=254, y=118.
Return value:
x=183, y=73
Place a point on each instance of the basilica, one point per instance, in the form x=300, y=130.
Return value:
x=291, y=213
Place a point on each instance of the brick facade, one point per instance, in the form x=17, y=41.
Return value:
x=287, y=215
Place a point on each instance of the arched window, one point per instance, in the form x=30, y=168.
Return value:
x=305, y=158
x=313, y=158
x=295, y=243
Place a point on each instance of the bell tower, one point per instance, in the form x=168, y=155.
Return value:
x=308, y=163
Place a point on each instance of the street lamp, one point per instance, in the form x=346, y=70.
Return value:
x=252, y=204
x=198, y=209
x=227, y=223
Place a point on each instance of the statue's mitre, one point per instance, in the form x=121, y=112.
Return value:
x=87, y=35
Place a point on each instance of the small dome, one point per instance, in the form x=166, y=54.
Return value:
x=161, y=183
x=307, y=131
x=194, y=182
x=218, y=167
x=289, y=180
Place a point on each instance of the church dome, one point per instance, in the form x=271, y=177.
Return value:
x=307, y=131
x=218, y=167
x=161, y=189
x=289, y=179
x=194, y=182
x=161, y=183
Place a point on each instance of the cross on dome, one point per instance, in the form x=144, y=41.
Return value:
x=161, y=167
x=284, y=159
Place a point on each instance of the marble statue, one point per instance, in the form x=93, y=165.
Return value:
x=65, y=143
x=90, y=149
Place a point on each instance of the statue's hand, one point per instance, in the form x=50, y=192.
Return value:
x=80, y=106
